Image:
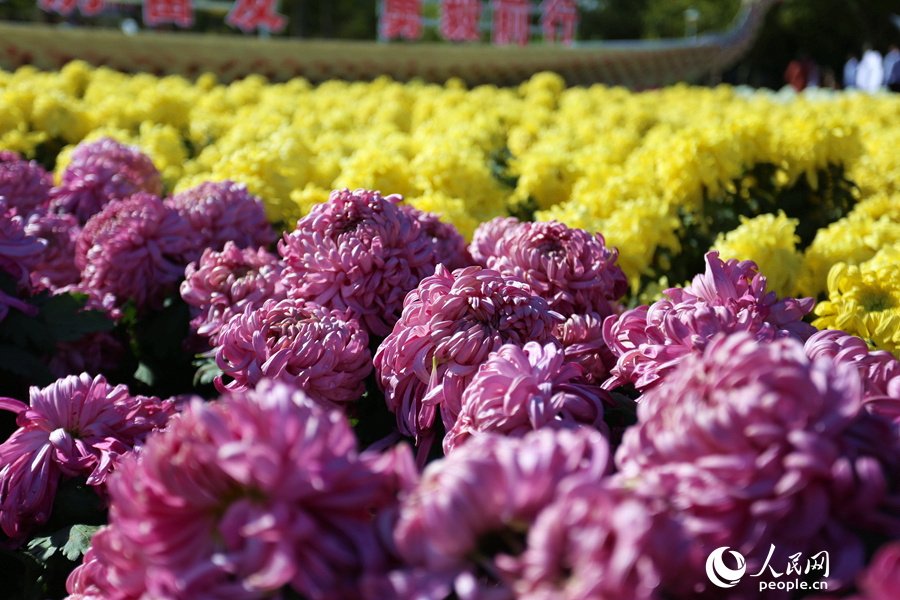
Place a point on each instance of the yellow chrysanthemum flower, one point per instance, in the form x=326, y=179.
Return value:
x=770, y=242
x=864, y=300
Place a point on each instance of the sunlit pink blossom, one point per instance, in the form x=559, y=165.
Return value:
x=450, y=324
x=129, y=250
x=60, y=232
x=449, y=244
x=240, y=497
x=752, y=444
x=486, y=237
x=729, y=297
x=582, y=339
x=359, y=252
x=218, y=212
x=321, y=351
x=25, y=185
x=223, y=284
x=520, y=389
x=472, y=510
x=102, y=171
x=77, y=426
x=570, y=268
x=597, y=542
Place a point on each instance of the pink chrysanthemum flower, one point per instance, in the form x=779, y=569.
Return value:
x=449, y=244
x=519, y=389
x=471, y=510
x=359, y=252
x=881, y=579
x=240, y=497
x=223, y=284
x=130, y=248
x=486, y=237
x=729, y=297
x=582, y=339
x=78, y=426
x=595, y=541
x=56, y=268
x=754, y=445
x=102, y=171
x=570, y=268
x=876, y=367
x=450, y=324
x=24, y=184
x=321, y=351
x=221, y=211
x=19, y=252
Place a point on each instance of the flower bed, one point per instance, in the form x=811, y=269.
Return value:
x=391, y=340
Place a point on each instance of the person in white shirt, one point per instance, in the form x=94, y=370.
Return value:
x=870, y=73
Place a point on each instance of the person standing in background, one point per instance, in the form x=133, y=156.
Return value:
x=870, y=73
x=849, y=80
x=892, y=69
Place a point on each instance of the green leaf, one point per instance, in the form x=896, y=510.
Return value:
x=79, y=541
x=145, y=374
x=26, y=332
x=207, y=370
x=16, y=360
x=66, y=318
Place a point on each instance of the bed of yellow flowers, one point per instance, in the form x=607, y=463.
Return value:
x=808, y=186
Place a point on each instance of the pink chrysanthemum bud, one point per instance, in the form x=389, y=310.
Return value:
x=25, y=185
x=486, y=237
x=218, y=212
x=729, y=297
x=570, y=268
x=754, y=445
x=358, y=252
x=472, y=510
x=223, y=284
x=449, y=244
x=130, y=248
x=60, y=232
x=519, y=389
x=240, y=497
x=321, y=351
x=78, y=426
x=450, y=324
x=102, y=171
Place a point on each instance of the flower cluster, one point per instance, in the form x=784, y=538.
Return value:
x=450, y=324
x=240, y=497
x=731, y=296
x=753, y=445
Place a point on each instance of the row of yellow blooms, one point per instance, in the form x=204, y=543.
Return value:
x=604, y=159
